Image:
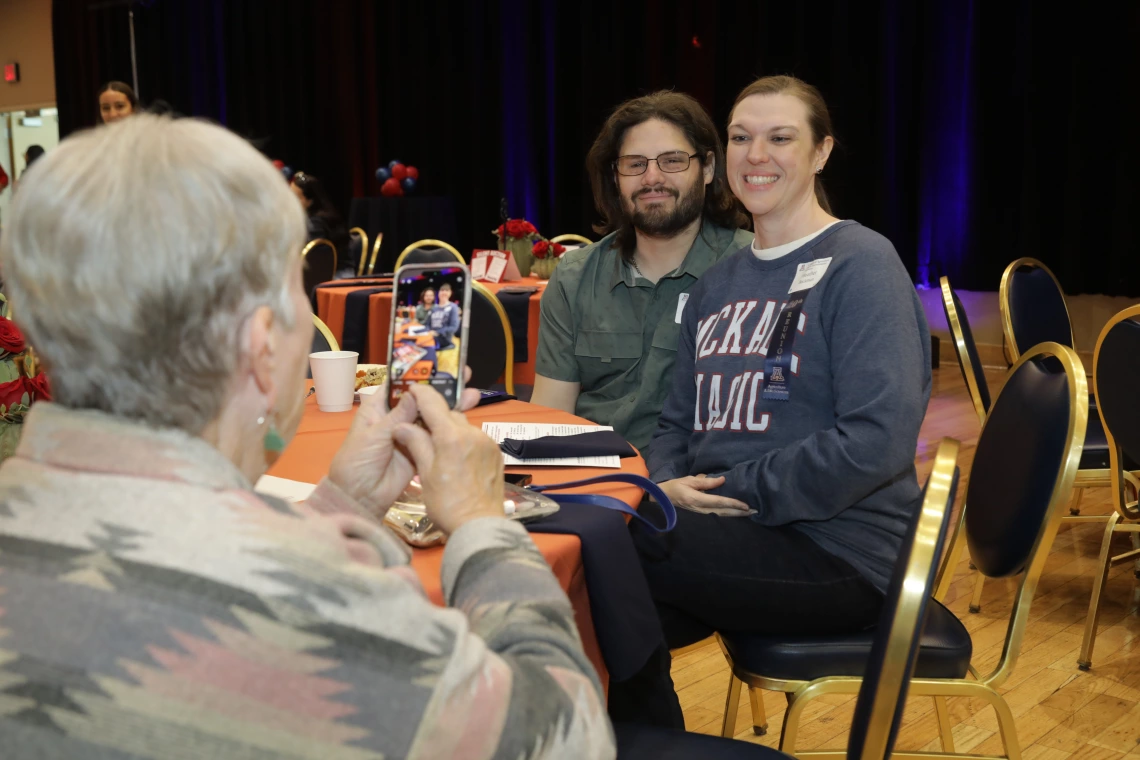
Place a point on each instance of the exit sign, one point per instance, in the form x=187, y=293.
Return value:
x=11, y=72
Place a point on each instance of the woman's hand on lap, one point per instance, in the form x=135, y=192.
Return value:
x=689, y=493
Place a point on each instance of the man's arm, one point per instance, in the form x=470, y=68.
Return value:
x=556, y=383
x=555, y=394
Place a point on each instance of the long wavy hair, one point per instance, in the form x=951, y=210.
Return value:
x=683, y=111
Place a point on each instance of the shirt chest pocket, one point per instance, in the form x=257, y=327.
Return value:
x=666, y=336
x=604, y=355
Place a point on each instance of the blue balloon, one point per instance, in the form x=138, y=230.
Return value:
x=383, y=173
x=288, y=173
x=409, y=183
x=393, y=162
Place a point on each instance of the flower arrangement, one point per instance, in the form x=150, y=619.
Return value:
x=517, y=236
x=517, y=229
x=546, y=255
x=545, y=248
x=21, y=384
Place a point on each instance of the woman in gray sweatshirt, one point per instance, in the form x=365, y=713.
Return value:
x=801, y=381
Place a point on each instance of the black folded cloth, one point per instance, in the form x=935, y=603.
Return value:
x=625, y=619
x=598, y=444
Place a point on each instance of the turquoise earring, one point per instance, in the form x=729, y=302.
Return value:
x=272, y=442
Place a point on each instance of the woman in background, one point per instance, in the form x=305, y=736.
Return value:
x=445, y=318
x=324, y=220
x=117, y=101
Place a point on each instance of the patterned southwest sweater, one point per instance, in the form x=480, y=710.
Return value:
x=153, y=606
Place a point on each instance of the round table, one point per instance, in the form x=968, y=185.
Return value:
x=331, y=307
x=320, y=434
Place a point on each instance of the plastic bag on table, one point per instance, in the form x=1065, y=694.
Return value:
x=408, y=516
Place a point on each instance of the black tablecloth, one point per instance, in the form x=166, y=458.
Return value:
x=625, y=619
x=517, y=307
x=354, y=337
x=403, y=221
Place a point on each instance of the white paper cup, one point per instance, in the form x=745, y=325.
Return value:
x=334, y=376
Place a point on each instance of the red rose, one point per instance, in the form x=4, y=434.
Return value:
x=540, y=249
x=12, y=392
x=559, y=249
x=11, y=339
x=39, y=386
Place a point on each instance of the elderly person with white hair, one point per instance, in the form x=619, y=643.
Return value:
x=151, y=604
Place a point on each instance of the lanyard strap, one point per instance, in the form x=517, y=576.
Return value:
x=609, y=502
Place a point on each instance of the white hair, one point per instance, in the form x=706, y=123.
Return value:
x=135, y=254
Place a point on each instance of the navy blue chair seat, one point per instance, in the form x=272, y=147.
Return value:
x=635, y=742
x=944, y=652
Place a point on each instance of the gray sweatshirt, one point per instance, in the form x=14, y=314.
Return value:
x=834, y=460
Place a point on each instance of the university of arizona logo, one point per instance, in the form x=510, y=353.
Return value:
x=777, y=374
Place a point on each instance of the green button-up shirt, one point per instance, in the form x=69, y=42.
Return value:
x=616, y=334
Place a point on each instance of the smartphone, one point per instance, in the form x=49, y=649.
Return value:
x=431, y=310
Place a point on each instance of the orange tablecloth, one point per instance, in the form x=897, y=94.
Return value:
x=330, y=308
x=308, y=457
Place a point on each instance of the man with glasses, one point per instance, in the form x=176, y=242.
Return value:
x=612, y=310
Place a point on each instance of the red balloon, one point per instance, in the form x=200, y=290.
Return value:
x=391, y=188
x=279, y=163
x=413, y=172
x=399, y=171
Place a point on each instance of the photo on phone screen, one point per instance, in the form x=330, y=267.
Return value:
x=428, y=340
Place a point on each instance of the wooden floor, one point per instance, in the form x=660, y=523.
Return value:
x=1060, y=711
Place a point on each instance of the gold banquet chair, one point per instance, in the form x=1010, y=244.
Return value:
x=375, y=253
x=577, y=241
x=1033, y=309
x=320, y=263
x=362, y=236
x=490, y=345
x=969, y=361
x=882, y=694
x=323, y=338
x=1010, y=518
x=429, y=251
x=1116, y=365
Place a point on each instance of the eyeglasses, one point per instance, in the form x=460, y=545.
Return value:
x=672, y=162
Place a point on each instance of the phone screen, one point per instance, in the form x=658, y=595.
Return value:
x=428, y=342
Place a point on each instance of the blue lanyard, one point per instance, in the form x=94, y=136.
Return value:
x=609, y=502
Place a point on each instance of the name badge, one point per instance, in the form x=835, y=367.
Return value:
x=681, y=301
x=778, y=364
x=808, y=274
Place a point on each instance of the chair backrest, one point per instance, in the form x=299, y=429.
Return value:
x=320, y=263
x=429, y=252
x=572, y=238
x=358, y=234
x=1116, y=367
x=1024, y=465
x=966, y=350
x=882, y=697
x=375, y=253
x=490, y=347
x=323, y=340
x=1033, y=308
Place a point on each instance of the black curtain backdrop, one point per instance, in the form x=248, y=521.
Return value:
x=971, y=133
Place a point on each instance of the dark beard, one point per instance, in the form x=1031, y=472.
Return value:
x=666, y=224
